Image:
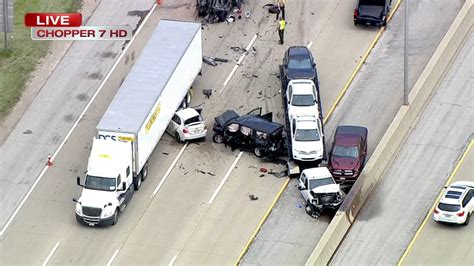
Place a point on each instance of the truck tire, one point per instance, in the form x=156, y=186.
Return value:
x=144, y=174
x=115, y=220
x=137, y=182
x=177, y=137
x=218, y=138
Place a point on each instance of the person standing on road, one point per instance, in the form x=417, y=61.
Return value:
x=281, y=29
x=281, y=8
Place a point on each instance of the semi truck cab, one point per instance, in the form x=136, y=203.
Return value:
x=108, y=183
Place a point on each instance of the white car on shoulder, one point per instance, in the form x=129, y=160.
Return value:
x=457, y=204
x=306, y=138
x=302, y=98
x=187, y=124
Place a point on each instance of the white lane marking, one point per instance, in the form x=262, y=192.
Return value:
x=169, y=170
x=310, y=44
x=112, y=258
x=51, y=254
x=238, y=63
x=173, y=260
x=76, y=123
x=225, y=178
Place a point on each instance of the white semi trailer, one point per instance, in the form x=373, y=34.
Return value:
x=136, y=119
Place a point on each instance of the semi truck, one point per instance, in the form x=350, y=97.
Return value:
x=136, y=119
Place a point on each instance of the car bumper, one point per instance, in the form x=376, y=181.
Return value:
x=369, y=22
x=306, y=158
x=195, y=136
x=345, y=178
x=452, y=218
x=94, y=221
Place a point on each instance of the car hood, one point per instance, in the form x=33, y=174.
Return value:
x=308, y=146
x=301, y=73
x=371, y=11
x=344, y=163
x=332, y=188
x=97, y=198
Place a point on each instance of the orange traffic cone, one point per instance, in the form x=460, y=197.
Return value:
x=50, y=162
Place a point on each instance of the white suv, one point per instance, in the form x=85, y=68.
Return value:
x=306, y=138
x=302, y=98
x=457, y=204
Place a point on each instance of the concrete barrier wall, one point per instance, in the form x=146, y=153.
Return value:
x=394, y=137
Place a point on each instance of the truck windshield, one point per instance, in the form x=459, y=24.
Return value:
x=314, y=183
x=341, y=151
x=100, y=183
x=302, y=100
x=307, y=135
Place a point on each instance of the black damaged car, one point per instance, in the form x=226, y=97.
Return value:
x=251, y=132
x=372, y=12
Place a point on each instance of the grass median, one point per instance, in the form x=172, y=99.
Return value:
x=23, y=54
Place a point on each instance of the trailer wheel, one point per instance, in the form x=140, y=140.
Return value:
x=218, y=138
x=144, y=172
x=115, y=220
x=137, y=183
x=177, y=137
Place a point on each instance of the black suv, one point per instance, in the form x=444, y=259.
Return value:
x=298, y=63
x=253, y=132
x=372, y=12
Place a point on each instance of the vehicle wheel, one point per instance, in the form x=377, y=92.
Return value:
x=384, y=23
x=355, y=23
x=137, y=183
x=467, y=220
x=177, y=137
x=218, y=138
x=258, y=152
x=144, y=174
x=115, y=220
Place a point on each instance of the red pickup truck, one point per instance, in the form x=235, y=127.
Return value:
x=348, y=153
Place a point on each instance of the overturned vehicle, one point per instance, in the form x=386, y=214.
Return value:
x=251, y=132
x=320, y=191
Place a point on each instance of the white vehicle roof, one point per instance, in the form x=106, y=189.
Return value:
x=455, y=192
x=302, y=86
x=306, y=122
x=317, y=173
x=187, y=113
x=107, y=157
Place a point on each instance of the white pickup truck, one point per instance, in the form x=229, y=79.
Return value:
x=136, y=119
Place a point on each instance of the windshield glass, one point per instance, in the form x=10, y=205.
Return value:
x=100, y=183
x=341, y=151
x=307, y=135
x=302, y=100
x=449, y=207
x=300, y=63
x=193, y=119
x=314, y=183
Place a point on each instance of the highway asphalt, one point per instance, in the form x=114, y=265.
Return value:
x=397, y=206
x=182, y=222
x=372, y=101
x=440, y=243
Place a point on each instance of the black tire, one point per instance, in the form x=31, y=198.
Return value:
x=144, y=173
x=258, y=152
x=116, y=214
x=137, y=183
x=467, y=220
x=177, y=137
x=218, y=138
